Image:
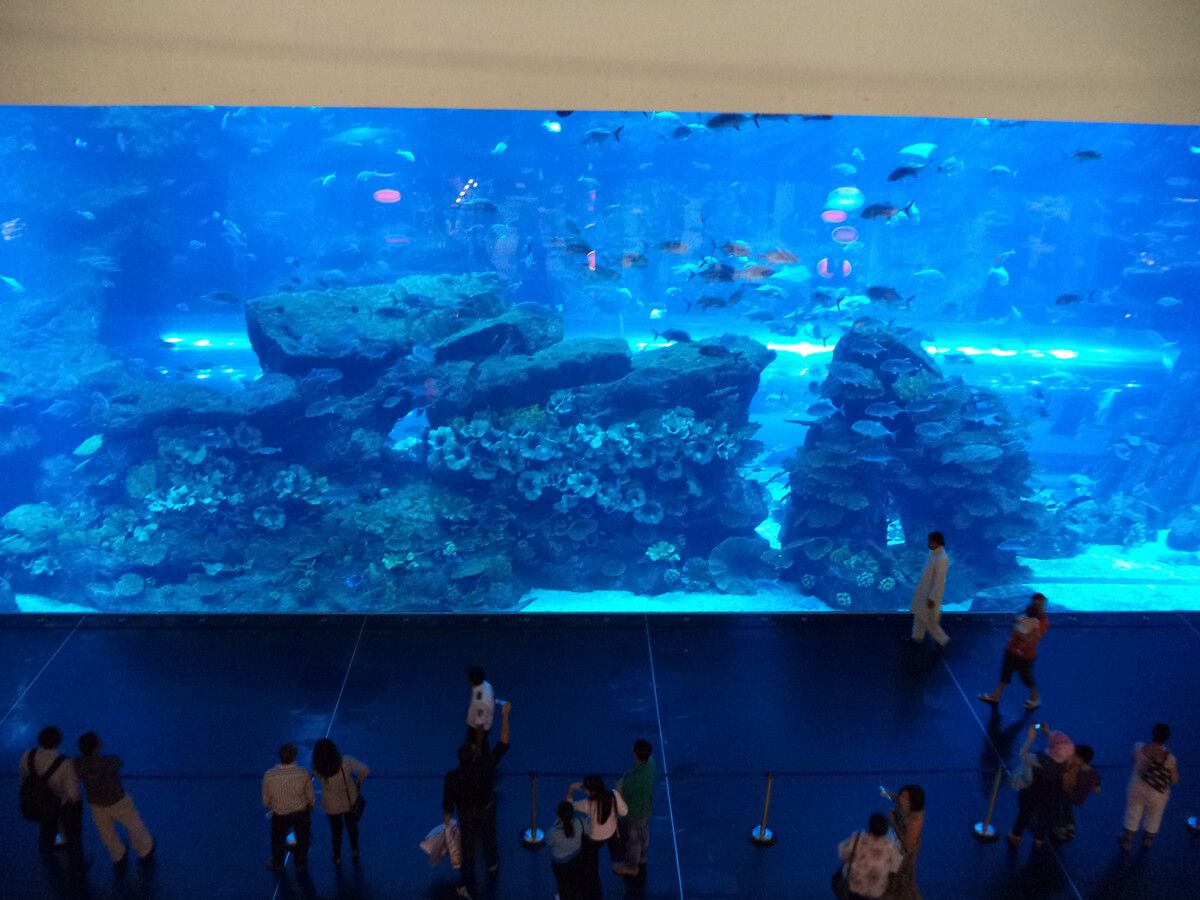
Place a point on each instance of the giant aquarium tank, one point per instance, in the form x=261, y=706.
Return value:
x=314, y=360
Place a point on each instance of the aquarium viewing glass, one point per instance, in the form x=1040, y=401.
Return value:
x=314, y=360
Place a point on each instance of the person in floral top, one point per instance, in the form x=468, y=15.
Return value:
x=870, y=857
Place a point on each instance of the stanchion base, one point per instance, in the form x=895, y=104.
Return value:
x=533, y=839
x=761, y=838
x=1194, y=823
x=985, y=834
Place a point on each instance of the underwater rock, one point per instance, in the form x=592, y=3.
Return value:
x=515, y=332
x=8, y=599
x=361, y=331
x=1184, y=531
x=139, y=405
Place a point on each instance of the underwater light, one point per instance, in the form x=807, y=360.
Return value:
x=1064, y=354
x=824, y=271
x=846, y=234
x=848, y=199
x=203, y=342
x=801, y=348
x=834, y=216
x=552, y=127
x=386, y=195
x=172, y=340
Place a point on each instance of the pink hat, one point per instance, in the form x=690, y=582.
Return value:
x=1061, y=747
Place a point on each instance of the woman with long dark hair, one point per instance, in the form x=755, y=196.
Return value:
x=341, y=780
x=907, y=821
x=565, y=841
x=602, y=808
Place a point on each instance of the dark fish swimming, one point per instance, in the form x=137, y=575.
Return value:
x=677, y=247
x=1085, y=155
x=883, y=294
x=600, y=135
x=1068, y=299
x=905, y=172
x=731, y=120
x=674, y=334
x=885, y=211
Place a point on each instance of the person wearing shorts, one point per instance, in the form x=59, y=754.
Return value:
x=1028, y=631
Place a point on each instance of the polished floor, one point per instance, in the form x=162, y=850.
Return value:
x=834, y=706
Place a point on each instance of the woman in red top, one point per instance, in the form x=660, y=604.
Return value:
x=1021, y=651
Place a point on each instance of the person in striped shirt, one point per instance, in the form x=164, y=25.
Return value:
x=287, y=791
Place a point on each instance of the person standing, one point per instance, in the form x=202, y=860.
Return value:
x=927, y=598
x=469, y=790
x=869, y=858
x=287, y=791
x=1079, y=782
x=481, y=711
x=341, y=780
x=637, y=788
x=602, y=808
x=57, y=774
x=908, y=822
x=1155, y=769
x=565, y=840
x=1028, y=630
x=1038, y=802
x=109, y=803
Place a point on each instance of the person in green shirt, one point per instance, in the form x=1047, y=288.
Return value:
x=637, y=787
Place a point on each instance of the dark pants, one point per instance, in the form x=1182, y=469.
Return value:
x=299, y=822
x=478, y=738
x=477, y=826
x=335, y=828
x=589, y=869
x=70, y=823
x=1023, y=668
x=567, y=876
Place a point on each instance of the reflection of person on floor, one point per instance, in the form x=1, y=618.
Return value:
x=58, y=773
x=287, y=791
x=109, y=803
x=908, y=821
x=1028, y=631
x=1155, y=769
x=927, y=598
x=1038, y=802
x=637, y=788
x=870, y=857
x=481, y=710
x=602, y=807
x=469, y=791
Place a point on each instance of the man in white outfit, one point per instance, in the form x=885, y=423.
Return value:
x=927, y=598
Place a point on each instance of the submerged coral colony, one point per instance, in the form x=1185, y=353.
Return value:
x=436, y=442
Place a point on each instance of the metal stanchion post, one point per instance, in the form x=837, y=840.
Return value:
x=760, y=834
x=985, y=831
x=533, y=838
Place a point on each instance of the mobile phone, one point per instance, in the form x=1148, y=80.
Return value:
x=1037, y=725
x=883, y=792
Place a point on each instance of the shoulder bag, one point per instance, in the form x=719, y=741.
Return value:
x=360, y=802
x=840, y=882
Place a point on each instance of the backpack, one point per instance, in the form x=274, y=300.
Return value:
x=38, y=802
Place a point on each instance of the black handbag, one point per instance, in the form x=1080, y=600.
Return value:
x=360, y=802
x=840, y=882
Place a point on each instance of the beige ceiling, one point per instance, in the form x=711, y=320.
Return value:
x=1108, y=60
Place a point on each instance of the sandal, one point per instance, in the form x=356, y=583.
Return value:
x=1032, y=704
x=988, y=698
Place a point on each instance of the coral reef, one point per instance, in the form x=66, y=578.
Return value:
x=903, y=447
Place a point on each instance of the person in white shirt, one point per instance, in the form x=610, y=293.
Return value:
x=287, y=791
x=602, y=807
x=64, y=784
x=481, y=711
x=927, y=598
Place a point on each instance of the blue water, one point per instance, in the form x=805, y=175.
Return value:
x=343, y=359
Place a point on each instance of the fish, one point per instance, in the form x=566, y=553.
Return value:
x=629, y=260
x=499, y=148
x=781, y=257
x=845, y=169
x=823, y=408
x=898, y=366
x=13, y=285
x=716, y=351
x=326, y=180
x=674, y=335
x=368, y=174
x=196, y=245
x=935, y=274
x=407, y=155
x=356, y=137
x=563, y=113
x=731, y=120
x=858, y=155
x=319, y=379
x=754, y=273
x=950, y=165
x=901, y=172
x=220, y=298
x=886, y=211
x=600, y=135
x=480, y=205
x=924, y=150
x=717, y=271
x=1068, y=299
x=932, y=431
x=1169, y=302
x=1084, y=155
x=735, y=248
x=676, y=247
x=1003, y=170
x=683, y=132
x=882, y=294
x=998, y=274
x=870, y=429
x=885, y=410
x=86, y=214
x=413, y=425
